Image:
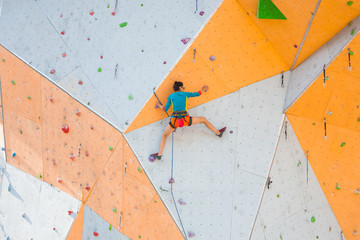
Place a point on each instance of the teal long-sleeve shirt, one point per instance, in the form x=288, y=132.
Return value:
x=179, y=100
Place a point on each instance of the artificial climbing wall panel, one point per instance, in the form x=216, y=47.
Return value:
x=31, y=208
x=326, y=119
x=220, y=179
x=77, y=158
x=294, y=199
x=2, y=140
x=309, y=70
x=231, y=52
x=117, y=45
x=76, y=231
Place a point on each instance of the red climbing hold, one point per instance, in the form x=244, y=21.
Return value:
x=52, y=100
x=78, y=113
x=164, y=62
x=61, y=15
x=87, y=154
x=91, y=127
x=63, y=55
x=59, y=180
x=88, y=39
x=70, y=212
x=65, y=128
x=72, y=157
x=91, y=13
x=96, y=234
x=54, y=229
x=63, y=33
x=185, y=40
x=101, y=57
x=87, y=188
x=201, y=13
x=113, y=13
x=80, y=82
x=52, y=71
x=172, y=180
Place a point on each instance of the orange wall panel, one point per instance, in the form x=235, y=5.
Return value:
x=76, y=231
x=242, y=56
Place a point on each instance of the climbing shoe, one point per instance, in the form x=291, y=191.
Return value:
x=221, y=131
x=154, y=157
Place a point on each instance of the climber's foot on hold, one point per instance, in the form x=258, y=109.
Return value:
x=221, y=132
x=154, y=157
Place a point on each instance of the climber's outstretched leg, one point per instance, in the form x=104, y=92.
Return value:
x=166, y=133
x=197, y=120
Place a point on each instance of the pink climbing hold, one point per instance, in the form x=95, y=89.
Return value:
x=185, y=40
x=80, y=82
x=65, y=128
x=70, y=212
x=164, y=62
x=201, y=13
x=63, y=55
x=52, y=71
x=52, y=100
x=72, y=157
x=96, y=234
x=78, y=113
x=61, y=15
x=172, y=180
x=182, y=202
x=91, y=13
x=54, y=163
x=63, y=33
x=191, y=234
x=87, y=154
x=113, y=13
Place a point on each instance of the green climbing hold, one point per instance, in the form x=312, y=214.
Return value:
x=139, y=169
x=13, y=82
x=314, y=124
x=124, y=24
x=358, y=119
x=142, y=5
x=281, y=237
x=88, y=103
x=326, y=78
x=317, y=237
x=342, y=144
x=350, y=24
x=298, y=164
x=21, y=132
x=312, y=219
x=352, y=32
x=154, y=201
x=351, y=52
x=114, y=210
x=268, y=10
x=278, y=196
x=99, y=69
x=111, y=148
x=3, y=59
x=337, y=186
x=110, y=227
x=349, y=3
x=28, y=97
x=108, y=6
x=40, y=176
x=131, y=97
x=139, y=236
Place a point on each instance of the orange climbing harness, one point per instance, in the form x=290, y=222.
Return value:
x=180, y=119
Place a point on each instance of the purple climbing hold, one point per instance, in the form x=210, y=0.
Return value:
x=201, y=13
x=231, y=131
x=191, y=234
x=295, y=46
x=212, y=58
x=182, y=202
x=185, y=40
x=172, y=180
x=151, y=158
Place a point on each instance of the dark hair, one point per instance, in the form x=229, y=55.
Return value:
x=177, y=86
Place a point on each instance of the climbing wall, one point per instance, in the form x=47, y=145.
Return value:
x=58, y=140
x=220, y=179
x=326, y=121
x=2, y=140
x=107, y=49
x=31, y=208
x=294, y=200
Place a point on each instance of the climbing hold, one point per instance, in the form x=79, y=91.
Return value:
x=21, y=132
x=351, y=52
x=142, y=5
x=337, y=186
x=54, y=229
x=40, y=176
x=3, y=59
x=54, y=163
x=349, y=3
x=342, y=144
x=2, y=149
x=114, y=210
x=329, y=113
x=139, y=236
x=60, y=181
x=65, y=128
x=312, y=219
x=267, y=10
x=88, y=103
x=52, y=100
x=142, y=50
x=181, y=202
x=139, y=169
x=124, y=24
x=357, y=191
x=101, y=57
x=355, y=233
x=191, y=234
x=78, y=113
x=80, y=82
x=88, y=39
x=350, y=24
x=99, y=69
x=164, y=62
x=70, y=212
x=63, y=55
x=154, y=201
x=9, y=187
x=185, y=40
x=358, y=119
x=352, y=32
x=63, y=33
x=13, y=82
x=108, y=6
x=326, y=78
x=111, y=148
x=172, y=180
x=113, y=13
x=13, y=154
x=52, y=71
x=131, y=97
x=295, y=46
x=231, y=131
x=91, y=13
x=28, y=97
x=298, y=164
x=91, y=127
x=278, y=196
x=87, y=153
x=23, y=215
x=110, y=227
x=201, y=13
x=212, y=58
x=61, y=15
x=95, y=234
x=87, y=188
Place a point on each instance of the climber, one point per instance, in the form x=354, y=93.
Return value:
x=180, y=117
